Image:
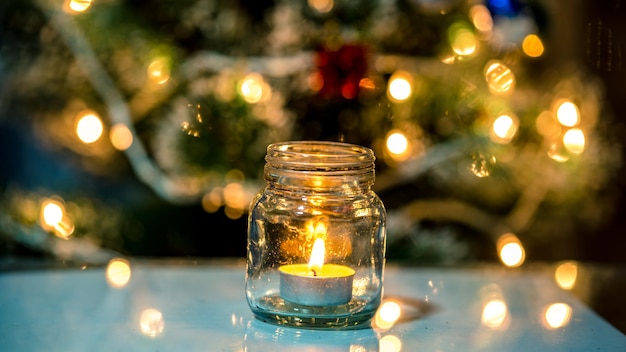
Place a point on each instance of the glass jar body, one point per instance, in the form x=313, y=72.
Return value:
x=320, y=198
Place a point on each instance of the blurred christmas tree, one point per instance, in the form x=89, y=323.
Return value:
x=484, y=146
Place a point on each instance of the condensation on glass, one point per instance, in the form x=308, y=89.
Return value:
x=316, y=237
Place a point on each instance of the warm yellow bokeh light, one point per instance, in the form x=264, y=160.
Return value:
x=322, y=6
x=213, y=200
x=52, y=213
x=567, y=114
x=159, y=71
x=532, y=45
x=118, y=272
x=390, y=311
x=512, y=254
x=235, y=196
x=574, y=141
x=387, y=315
x=54, y=218
x=510, y=250
x=121, y=137
x=397, y=143
x=494, y=313
x=400, y=86
x=77, y=5
x=566, y=275
x=233, y=213
x=547, y=125
x=504, y=128
x=89, y=127
x=253, y=88
x=499, y=77
x=151, y=322
x=557, y=315
x=481, y=18
x=557, y=152
x=464, y=42
x=390, y=343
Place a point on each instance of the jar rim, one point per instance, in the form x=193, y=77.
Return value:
x=316, y=154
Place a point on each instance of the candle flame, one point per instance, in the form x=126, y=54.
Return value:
x=317, y=256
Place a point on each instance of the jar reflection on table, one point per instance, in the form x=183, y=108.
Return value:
x=263, y=337
x=316, y=237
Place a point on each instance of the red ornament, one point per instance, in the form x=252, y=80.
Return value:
x=340, y=71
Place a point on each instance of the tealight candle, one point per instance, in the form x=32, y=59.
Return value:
x=316, y=283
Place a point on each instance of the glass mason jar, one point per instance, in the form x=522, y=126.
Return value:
x=316, y=237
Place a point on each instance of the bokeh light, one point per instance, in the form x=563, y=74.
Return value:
x=504, y=129
x=89, y=126
x=547, y=125
x=566, y=275
x=400, y=86
x=500, y=79
x=159, y=71
x=118, y=272
x=53, y=217
x=213, y=200
x=387, y=315
x=462, y=39
x=482, y=164
x=77, y=6
x=397, y=143
x=121, y=137
x=558, y=152
x=151, y=322
x=510, y=250
x=567, y=113
x=482, y=20
x=390, y=343
x=574, y=141
x=52, y=212
x=254, y=89
x=494, y=313
x=557, y=315
x=322, y=6
x=532, y=45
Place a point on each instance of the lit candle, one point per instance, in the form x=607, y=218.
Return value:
x=316, y=283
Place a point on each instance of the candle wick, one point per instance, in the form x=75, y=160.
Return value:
x=314, y=272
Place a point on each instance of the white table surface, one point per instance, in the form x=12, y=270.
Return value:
x=202, y=307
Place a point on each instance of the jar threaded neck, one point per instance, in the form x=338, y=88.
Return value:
x=319, y=165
